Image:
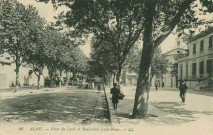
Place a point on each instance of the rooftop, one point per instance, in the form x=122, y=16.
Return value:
x=202, y=34
x=174, y=50
x=4, y=60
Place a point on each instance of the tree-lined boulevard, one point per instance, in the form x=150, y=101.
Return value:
x=118, y=24
x=126, y=34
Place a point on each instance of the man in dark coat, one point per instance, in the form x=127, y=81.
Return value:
x=115, y=94
x=183, y=87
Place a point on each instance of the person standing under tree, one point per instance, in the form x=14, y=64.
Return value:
x=156, y=85
x=93, y=85
x=115, y=95
x=183, y=87
x=99, y=86
x=162, y=84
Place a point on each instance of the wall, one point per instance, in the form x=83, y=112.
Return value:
x=8, y=76
x=206, y=54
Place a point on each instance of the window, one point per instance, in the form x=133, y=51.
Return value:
x=194, y=48
x=209, y=66
x=201, y=67
x=193, y=69
x=187, y=71
x=201, y=45
x=30, y=74
x=210, y=41
x=181, y=71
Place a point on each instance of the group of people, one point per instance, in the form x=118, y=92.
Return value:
x=92, y=85
x=115, y=91
x=55, y=81
x=157, y=84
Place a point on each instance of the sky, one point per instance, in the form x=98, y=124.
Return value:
x=48, y=12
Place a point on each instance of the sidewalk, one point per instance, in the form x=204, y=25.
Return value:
x=121, y=116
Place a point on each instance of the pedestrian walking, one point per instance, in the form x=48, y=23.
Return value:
x=87, y=85
x=93, y=85
x=183, y=88
x=156, y=85
x=99, y=86
x=115, y=95
x=162, y=84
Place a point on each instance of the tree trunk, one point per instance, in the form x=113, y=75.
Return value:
x=38, y=81
x=143, y=84
x=109, y=80
x=17, y=71
x=60, y=83
x=152, y=75
x=51, y=77
x=118, y=77
x=114, y=78
x=67, y=76
x=17, y=77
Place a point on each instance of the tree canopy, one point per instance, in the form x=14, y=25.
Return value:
x=123, y=22
x=29, y=39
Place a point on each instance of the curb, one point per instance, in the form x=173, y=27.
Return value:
x=106, y=99
x=113, y=118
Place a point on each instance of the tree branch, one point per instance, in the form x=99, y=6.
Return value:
x=34, y=70
x=184, y=6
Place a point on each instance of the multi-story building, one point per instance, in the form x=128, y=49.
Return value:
x=197, y=68
x=169, y=79
x=178, y=50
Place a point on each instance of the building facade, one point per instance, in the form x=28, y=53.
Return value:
x=26, y=75
x=170, y=79
x=129, y=78
x=197, y=68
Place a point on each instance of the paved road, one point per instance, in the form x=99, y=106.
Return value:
x=167, y=113
x=57, y=105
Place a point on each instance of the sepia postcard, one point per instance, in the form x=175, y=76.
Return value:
x=72, y=67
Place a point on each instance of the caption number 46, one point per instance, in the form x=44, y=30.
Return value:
x=21, y=128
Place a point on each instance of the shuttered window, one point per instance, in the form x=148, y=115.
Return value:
x=187, y=71
x=201, y=45
x=210, y=41
x=194, y=48
x=201, y=67
x=209, y=66
x=193, y=69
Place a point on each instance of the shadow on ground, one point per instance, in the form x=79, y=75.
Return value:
x=165, y=113
x=170, y=113
x=75, y=107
